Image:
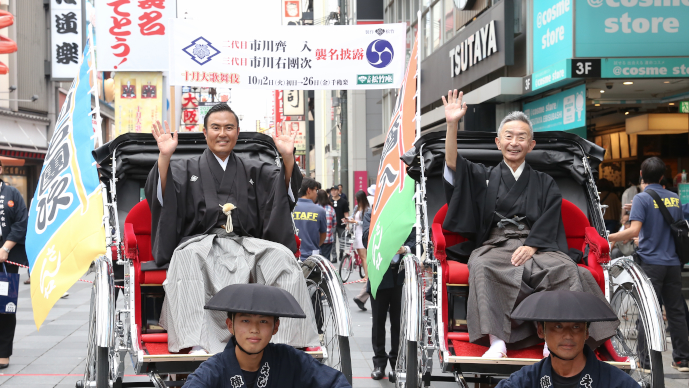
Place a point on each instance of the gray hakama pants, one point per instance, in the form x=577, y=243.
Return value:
x=203, y=265
x=496, y=287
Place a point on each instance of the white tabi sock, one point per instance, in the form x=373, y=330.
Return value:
x=197, y=350
x=497, y=349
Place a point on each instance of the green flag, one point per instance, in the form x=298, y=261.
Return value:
x=394, y=210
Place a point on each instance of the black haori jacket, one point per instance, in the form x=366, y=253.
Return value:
x=196, y=187
x=472, y=205
x=596, y=374
x=281, y=366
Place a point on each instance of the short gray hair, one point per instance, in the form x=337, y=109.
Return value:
x=516, y=116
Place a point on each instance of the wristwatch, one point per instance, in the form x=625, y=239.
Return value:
x=6, y=250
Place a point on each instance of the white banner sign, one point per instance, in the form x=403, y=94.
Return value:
x=65, y=37
x=288, y=57
x=293, y=103
x=133, y=34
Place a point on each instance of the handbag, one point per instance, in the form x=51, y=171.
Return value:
x=9, y=291
x=680, y=229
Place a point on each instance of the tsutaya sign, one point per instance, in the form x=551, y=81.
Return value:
x=288, y=57
x=473, y=49
x=483, y=46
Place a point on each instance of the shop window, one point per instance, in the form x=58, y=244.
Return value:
x=428, y=34
x=437, y=11
x=449, y=19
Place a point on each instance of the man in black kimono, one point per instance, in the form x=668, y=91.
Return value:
x=254, y=314
x=511, y=215
x=219, y=219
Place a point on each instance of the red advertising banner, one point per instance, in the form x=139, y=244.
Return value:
x=360, y=181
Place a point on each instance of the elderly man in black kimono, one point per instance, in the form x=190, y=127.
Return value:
x=219, y=219
x=511, y=215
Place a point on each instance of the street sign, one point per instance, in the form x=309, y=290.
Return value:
x=684, y=107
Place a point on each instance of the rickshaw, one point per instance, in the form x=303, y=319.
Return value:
x=134, y=330
x=435, y=292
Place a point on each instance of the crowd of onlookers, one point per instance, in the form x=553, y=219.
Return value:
x=324, y=223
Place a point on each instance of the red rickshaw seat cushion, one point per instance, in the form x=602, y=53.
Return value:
x=577, y=229
x=137, y=240
x=579, y=235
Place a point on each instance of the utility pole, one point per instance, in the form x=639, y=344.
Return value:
x=344, y=138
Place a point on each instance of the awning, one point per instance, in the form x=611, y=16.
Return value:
x=658, y=124
x=23, y=138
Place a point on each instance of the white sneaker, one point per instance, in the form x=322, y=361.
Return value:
x=198, y=351
x=65, y=295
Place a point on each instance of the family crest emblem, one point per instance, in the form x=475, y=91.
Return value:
x=236, y=381
x=545, y=382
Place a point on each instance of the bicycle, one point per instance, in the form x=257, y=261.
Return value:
x=350, y=259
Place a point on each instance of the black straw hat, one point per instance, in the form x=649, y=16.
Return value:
x=563, y=306
x=256, y=299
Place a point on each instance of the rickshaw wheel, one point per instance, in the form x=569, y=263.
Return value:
x=407, y=368
x=98, y=357
x=346, y=267
x=630, y=340
x=329, y=318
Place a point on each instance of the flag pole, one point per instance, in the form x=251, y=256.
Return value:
x=98, y=141
x=417, y=119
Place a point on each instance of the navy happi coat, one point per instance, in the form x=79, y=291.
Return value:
x=596, y=374
x=281, y=366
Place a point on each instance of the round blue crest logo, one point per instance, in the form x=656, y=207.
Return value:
x=379, y=53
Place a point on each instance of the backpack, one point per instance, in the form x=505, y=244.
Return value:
x=680, y=229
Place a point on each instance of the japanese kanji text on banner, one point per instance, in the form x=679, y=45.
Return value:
x=133, y=34
x=288, y=57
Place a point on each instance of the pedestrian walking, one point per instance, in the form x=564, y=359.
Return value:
x=358, y=221
x=339, y=190
x=657, y=256
x=309, y=219
x=609, y=198
x=13, y=234
x=388, y=298
x=341, y=206
x=323, y=201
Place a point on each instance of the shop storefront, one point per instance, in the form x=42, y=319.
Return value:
x=630, y=62
x=23, y=144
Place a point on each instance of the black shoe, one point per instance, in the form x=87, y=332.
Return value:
x=682, y=366
x=378, y=373
x=3, y=366
x=361, y=304
x=392, y=376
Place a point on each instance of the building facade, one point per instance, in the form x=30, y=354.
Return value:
x=613, y=72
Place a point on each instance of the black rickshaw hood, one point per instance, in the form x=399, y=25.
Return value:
x=556, y=153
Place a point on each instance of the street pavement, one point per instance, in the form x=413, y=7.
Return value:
x=54, y=357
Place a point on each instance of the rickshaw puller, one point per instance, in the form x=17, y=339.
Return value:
x=249, y=360
x=220, y=219
x=563, y=319
x=511, y=215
